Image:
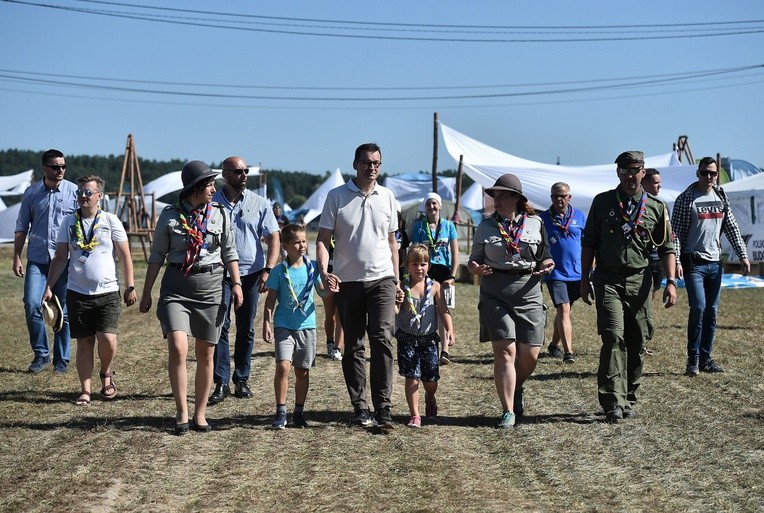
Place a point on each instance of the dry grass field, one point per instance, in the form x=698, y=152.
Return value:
x=696, y=445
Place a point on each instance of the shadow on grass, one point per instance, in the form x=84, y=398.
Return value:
x=36, y=397
x=5, y=370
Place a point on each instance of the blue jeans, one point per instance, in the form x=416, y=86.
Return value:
x=704, y=285
x=34, y=287
x=245, y=332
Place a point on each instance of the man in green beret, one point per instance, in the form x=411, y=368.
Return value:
x=623, y=226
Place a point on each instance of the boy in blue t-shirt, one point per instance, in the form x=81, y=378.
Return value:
x=293, y=326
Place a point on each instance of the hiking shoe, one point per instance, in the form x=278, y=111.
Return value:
x=60, y=367
x=518, y=405
x=554, y=351
x=445, y=358
x=415, y=422
x=569, y=358
x=430, y=407
x=384, y=420
x=628, y=412
x=279, y=422
x=298, y=418
x=335, y=355
x=693, y=369
x=363, y=419
x=241, y=390
x=615, y=415
x=711, y=366
x=507, y=420
x=38, y=364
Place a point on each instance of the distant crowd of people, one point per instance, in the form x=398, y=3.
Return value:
x=378, y=281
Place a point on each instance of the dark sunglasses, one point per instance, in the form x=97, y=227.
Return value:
x=239, y=171
x=56, y=167
x=86, y=192
x=709, y=174
x=623, y=171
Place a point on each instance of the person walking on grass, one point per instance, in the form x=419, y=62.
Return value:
x=511, y=254
x=43, y=207
x=701, y=214
x=196, y=237
x=564, y=227
x=88, y=240
x=253, y=221
x=416, y=324
x=293, y=325
x=361, y=215
x=623, y=226
x=439, y=235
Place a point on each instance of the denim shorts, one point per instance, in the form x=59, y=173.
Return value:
x=562, y=292
x=418, y=357
x=89, y=315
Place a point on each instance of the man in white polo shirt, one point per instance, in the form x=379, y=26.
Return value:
x=362, y=217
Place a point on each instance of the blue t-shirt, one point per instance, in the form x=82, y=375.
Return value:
x=564, y=234
x=288, y=314
x=445, y=232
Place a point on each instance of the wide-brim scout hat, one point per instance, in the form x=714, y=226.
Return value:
x=507, y=182
x=54, y=315
x=194, y=172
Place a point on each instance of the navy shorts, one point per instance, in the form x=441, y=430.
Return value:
x=418, y=357
x=563, y=292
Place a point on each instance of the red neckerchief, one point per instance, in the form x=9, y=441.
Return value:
x=196, y=232
x=511, y=233
x=637, y=222
x=562, y=224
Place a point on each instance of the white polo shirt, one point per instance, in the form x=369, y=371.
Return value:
x=361, y=226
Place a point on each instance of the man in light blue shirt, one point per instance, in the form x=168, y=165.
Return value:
x=43, y=207
x=253, y=220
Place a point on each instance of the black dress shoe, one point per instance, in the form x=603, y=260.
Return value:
x=181, y=429
x=242, y=390
x=199, y=428
x=220, y=393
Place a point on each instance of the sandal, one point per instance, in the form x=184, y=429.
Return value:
x=109, y=391
x=83, y=399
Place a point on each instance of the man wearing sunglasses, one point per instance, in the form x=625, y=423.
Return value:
x=43, y=207
x=701, y=214
x=253, y=220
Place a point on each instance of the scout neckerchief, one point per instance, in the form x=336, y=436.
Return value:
x=559, y=220
x=433, y=238
x=634, y=225
x=196, y=232
x=511, y=233
x=300, y=303
x=86, y=244
x=424, y=301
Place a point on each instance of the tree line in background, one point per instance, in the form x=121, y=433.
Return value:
x=296, y=186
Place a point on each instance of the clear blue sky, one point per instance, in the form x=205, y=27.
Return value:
x=57, y=66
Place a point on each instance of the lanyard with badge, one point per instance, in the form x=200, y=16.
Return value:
x=559, y=220
x=86, y=244
x=632, y=225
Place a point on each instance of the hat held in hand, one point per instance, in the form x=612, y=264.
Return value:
x=54, y=315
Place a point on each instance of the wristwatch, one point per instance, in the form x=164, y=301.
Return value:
x=670, y=282
x=130, y=289
x=236, y=283
x=267, y=269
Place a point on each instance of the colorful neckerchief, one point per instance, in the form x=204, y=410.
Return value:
x=433, y=238
x=300, y=303
x=196, y=232
x=637, y=222
x=410, y=299
x=511, y=233
x=86, y=245
x=559, y=220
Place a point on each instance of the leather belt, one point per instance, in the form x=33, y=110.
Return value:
x=515, y=272
x=198, y=269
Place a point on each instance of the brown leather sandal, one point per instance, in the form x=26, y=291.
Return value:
x=109, y=391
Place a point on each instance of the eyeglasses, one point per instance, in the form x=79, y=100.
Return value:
x=371, y=163
x=710, y=174
x=623, y=171
x=560, y=196
x=57, y=167
x=239, y=171
x=86, y=192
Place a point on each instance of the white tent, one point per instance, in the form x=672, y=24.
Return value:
x=413, y=187
x=314, y=205
x=8, y=222
x=485, y=164
x=473, y=197
x=747, y=202
x=15, y=185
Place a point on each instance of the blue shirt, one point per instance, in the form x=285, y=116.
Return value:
x=565, y=244
x=446, y=232
x=40, y=215
x=288, y=315
x=252, y=219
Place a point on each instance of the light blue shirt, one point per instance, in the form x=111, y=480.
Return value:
x=40, y=215
x=252, y=219
x=288, y=314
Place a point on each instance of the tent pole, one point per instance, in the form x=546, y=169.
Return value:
x=435, y=153
x=459, y=172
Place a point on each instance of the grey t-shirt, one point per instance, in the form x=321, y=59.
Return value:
x=704, y=233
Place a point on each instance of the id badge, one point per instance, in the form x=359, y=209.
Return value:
x=626, y=228
x=84, y=257
x=516, y=257
x=203, y=252
x=553, y=240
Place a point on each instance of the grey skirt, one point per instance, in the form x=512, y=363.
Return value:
x=192, y=303
x=511, y=307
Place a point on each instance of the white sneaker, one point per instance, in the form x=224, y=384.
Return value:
x=336, y=355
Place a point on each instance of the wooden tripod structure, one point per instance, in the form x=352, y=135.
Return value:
x=138, y=217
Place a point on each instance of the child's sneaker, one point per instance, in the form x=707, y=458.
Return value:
x=335, y=355
x=415, y=422
x=445, y=358
x=507, y=420
x=299, y=420
x=280, y=421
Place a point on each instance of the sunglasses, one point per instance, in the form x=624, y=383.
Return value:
x=710, y=174
x=623, y=171
x=57, y=167
x=86, y=192
x=562, y=196
x=238, y=172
